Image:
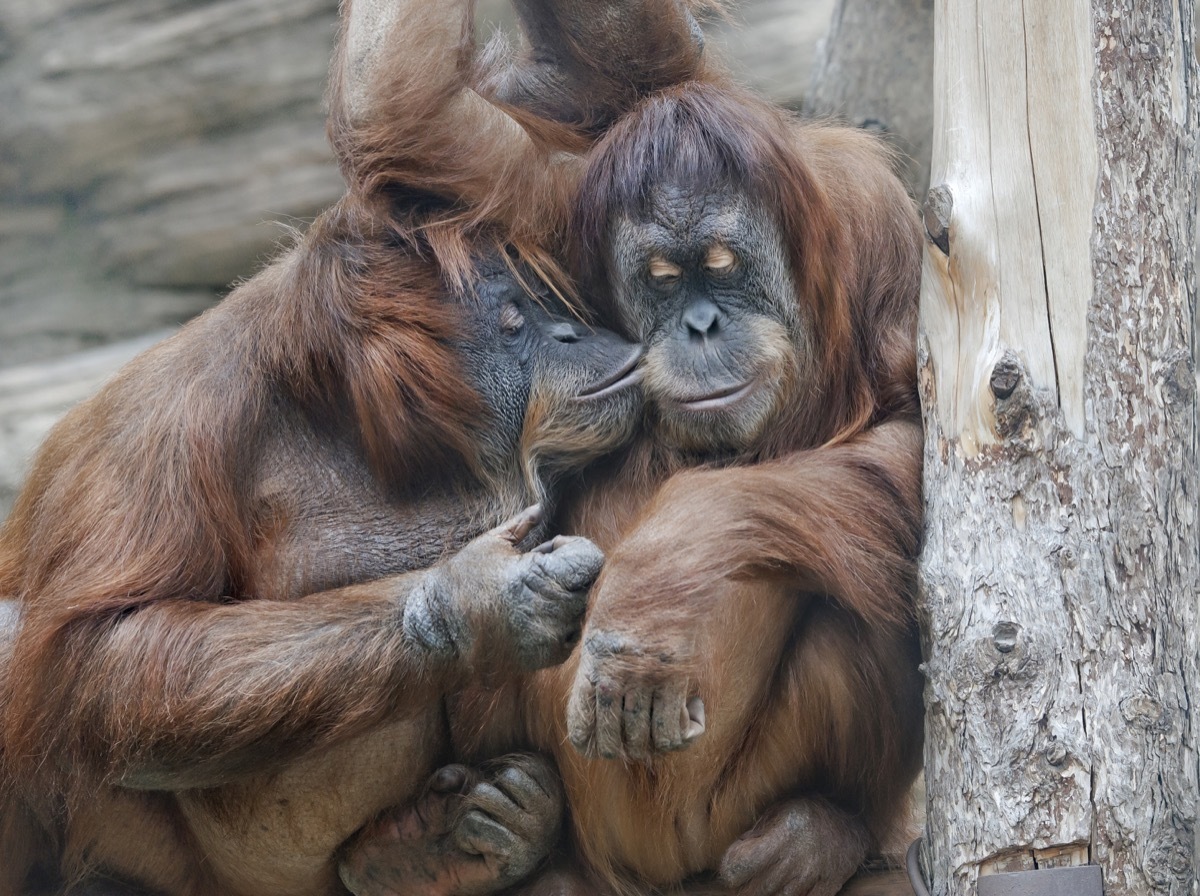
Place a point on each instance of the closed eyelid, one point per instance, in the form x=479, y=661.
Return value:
x=720, y=258
x=511, y=318
x=660, y=267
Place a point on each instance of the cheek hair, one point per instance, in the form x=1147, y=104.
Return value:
x=559, y=435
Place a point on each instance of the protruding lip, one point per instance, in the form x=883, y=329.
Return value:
x=722, y=398
x=627, y=375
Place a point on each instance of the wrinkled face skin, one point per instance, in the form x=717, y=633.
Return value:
x=702, y=279
x=559, y=393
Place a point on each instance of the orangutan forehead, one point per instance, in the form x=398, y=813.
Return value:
x=697, y=211
x=689, y=218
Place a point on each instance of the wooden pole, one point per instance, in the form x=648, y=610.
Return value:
x=1058, y=350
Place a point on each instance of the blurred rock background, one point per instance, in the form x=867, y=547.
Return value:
x=153, y=152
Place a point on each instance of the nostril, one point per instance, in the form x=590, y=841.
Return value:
x=702, y=318
x=565, y=332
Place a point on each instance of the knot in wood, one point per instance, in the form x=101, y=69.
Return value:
x=1056, y=753
x=1145, y=712
x=939, y=206
x=1179, y=378
x=1018, y=408
x=1006, y=376
x=1005, y=635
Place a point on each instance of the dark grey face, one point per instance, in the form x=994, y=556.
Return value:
x=703, y=280
x=560, y=393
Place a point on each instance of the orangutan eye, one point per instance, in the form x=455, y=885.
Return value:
x=511, y=320
x=664, y=271
x=720, y=260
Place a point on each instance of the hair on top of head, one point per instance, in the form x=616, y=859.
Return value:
x=441, y=231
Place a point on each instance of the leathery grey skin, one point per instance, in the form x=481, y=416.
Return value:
x=474, y=832
x=536, y=599
x=559, y=392
x=702, y=279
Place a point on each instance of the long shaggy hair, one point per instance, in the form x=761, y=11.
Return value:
x=848, y=226
x=777, y=584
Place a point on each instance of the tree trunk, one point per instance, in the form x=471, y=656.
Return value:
x=1058, y=340
x=771, y=44
x=875, y=70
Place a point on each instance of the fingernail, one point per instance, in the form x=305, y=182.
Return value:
x=695, y=719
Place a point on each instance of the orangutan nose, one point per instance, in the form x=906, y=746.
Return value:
x=703, y=319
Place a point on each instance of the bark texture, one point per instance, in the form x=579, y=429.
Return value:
x=1059, y=332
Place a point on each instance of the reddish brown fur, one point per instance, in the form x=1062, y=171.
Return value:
x=856, y=278
x=827, y=504
x=156, y=642
x=778, y=583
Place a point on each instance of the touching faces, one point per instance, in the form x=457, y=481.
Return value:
x=558, y=393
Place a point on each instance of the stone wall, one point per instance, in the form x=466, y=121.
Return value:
x=145, y=144
x=152, y=152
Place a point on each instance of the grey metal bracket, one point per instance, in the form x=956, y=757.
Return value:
x=1083, y=880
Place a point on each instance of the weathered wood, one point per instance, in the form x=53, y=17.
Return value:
x=875, y=69
x=1059, y=332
